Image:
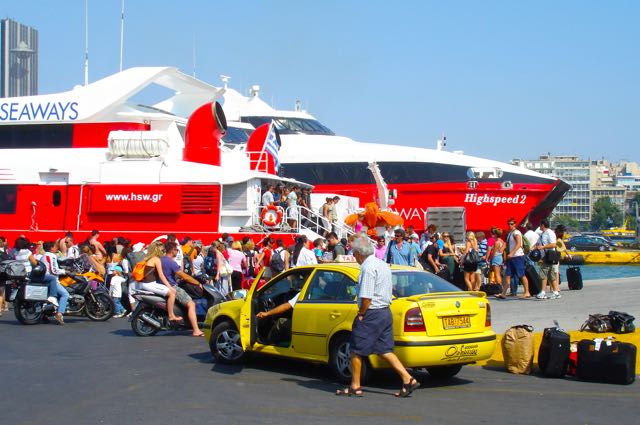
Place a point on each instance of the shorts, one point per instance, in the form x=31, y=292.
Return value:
x=373, y=334
x=497, y=260
x=181, y=296
x=155, y=287
x=515, y=266
x=549, y=271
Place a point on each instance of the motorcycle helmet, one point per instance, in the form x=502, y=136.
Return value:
x=535, y=255
x=38, y=271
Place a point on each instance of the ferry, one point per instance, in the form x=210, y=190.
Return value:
x=419, y=180
x=95, y=157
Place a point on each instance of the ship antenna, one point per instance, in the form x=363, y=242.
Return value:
x=193, y=54
x=86, y=42
x=225, y=80
x=121, y=34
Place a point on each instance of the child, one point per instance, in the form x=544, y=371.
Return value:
x=115, y=290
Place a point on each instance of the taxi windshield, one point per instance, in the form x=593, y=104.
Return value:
x=407, y=283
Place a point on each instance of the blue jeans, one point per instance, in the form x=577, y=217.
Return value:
x=57, y=290
x=118, y=303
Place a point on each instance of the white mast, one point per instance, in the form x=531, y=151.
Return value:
x=121, y=34
x=86, y=42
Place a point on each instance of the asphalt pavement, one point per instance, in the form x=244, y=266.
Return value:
x=100, y=373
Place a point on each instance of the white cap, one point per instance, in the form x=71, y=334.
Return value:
x=138, y=247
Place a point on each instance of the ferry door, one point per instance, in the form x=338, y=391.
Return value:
x=52, y=207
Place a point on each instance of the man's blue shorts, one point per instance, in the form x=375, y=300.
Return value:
x=373, y=334
x=515, y=266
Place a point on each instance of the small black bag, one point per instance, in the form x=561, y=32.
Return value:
x=621, y=323
x=598, y=323
x=552, y=257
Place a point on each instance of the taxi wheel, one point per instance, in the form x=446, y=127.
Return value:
x=225, y=344
x=340, y=361
x=444, y=372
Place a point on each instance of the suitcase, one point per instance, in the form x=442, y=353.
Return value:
x=533, y=277
x=458, y=278
x=444, y=274
x=606, y=361
x=553, y=354
x=574, y=278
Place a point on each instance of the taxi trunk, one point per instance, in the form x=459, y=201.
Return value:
x=446, y=314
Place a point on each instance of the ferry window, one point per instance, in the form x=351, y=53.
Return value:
x=8, y=194
x=57, y=198
x=34, y=136
x=236, y=136
x=291, y=125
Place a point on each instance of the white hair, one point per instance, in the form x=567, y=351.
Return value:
x=362, y=246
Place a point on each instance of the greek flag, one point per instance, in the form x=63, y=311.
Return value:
x=271, y=145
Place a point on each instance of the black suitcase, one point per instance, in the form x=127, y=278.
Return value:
x=533, y=277
x=458, y=278
x=612, y=362
x=553, y=355
x=574, y=278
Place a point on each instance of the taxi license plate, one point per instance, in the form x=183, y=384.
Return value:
x=456, y=322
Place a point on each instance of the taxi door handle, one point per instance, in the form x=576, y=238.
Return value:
x=335, y=314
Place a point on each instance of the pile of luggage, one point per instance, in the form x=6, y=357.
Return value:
x=595, y=360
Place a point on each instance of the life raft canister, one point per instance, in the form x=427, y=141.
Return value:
x=271, y=216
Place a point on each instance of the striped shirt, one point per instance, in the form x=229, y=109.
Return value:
x=375, y=283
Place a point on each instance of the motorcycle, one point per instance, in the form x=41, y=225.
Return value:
x=150, y=315
x=31, y=304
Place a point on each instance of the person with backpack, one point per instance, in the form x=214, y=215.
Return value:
x=550, y=266
x=189, y=253
x=279, y=259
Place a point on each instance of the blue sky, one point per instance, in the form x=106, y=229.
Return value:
x=502, y=79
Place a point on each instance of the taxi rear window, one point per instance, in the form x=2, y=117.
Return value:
x=408, y=283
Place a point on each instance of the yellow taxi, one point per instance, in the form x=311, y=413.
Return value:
x=435, y=325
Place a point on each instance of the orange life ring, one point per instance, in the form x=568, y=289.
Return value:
x=271, y=216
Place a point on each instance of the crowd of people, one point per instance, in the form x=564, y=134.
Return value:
x=231, y=264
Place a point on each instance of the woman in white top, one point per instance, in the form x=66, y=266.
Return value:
x=303, y=256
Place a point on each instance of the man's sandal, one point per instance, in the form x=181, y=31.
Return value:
x=407, y=389
x=348, y=392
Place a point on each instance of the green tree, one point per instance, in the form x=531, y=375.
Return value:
x=605, y=214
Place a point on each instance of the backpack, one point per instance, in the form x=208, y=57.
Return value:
x=138, y=271
x=209, y=265
x=276, y=263
x=187, y=263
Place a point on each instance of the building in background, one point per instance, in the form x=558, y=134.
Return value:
x=590, y=181
x=19, y=57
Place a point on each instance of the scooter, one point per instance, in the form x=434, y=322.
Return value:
x=150, y=315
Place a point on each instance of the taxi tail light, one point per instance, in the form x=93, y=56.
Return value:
x=413, y=321
x=487, y=321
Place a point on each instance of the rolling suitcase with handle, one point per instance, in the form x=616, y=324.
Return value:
x=574, y=278
x=533, y=278
x=553, y=354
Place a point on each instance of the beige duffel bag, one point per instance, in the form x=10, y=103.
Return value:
x=517, y=349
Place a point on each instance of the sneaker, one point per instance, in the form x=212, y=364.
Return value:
x=119, y=315
x=541, y=296
x=59, y=318
x=555, y=296
x=53, y=300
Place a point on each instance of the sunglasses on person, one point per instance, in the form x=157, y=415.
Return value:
x=512, y=223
